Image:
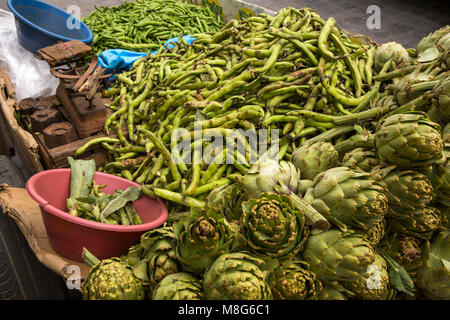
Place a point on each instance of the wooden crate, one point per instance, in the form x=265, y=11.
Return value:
x=57, y=157
x=31, y=148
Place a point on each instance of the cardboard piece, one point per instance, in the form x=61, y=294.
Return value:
x=26, y=213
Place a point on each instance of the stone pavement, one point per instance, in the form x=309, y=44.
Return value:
x=403, y=21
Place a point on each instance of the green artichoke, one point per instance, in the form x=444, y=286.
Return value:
x=201, y=237
x=271, y=175
x=134, y=255
x=362, y=159
x=348, y=198
x=445, y=216
x=236, y=276
x=283, y=178
x=415, y=84
x=408, y=190
x=433, y=277
x=158, y=258
x=375, y=233
x=441, y=95
x=436, y=175
x=179, y=286
x=229, y=199
x=373, y=284
x=409, y=140
x=110, y=279
x=292, y=280
x=404, y=249
x=420, y=224
x=390, y=50
x=272, y=226
x=338, y=256
x=443, y=193
x=311, y=159
x=432, y=46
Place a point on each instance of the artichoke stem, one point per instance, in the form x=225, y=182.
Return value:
x=89, y=258
x=313, y=217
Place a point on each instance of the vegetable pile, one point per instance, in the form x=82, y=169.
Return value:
x=145, y=25
x=349, y=201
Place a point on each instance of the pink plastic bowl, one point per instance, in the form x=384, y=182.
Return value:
x=69, y=234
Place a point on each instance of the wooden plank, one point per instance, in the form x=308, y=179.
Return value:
x=6, y=143
x=24, y=144
x=57, y=157
x=43, y=151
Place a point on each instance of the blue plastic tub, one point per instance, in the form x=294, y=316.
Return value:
x=40, y=24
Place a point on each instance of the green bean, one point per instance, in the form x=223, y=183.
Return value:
x=323, y=37
x=166, y=153
x=173, y=196
x=93, y=142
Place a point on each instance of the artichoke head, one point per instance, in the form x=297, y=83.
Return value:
x=236, y=276
x=272, y=226
x=229, y=199
x=348, y=198
x=405, y=250
x=375, y=233
x=373, y=284
x=292, y=280
x=433, y=277
x=311, y=159
x=409, y=140
x=408, y=190
x=111, y=279
x=362, y=159
x=390, y=50
x=432, y=46
x=201, y=237
x=420, y=224
x=441, y=98
x=158, y=258
x=270, y=175
x=338, y=256
x=179, y=286
x=415, y=84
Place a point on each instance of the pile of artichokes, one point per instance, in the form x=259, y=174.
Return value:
x=382, y=189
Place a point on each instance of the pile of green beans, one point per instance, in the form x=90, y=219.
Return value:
x=145, y=25
x=293, y=72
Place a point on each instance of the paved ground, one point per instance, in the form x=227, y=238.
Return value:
x=402, y=21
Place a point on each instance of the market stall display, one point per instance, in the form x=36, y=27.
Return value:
x=298, y=161
x=366, y=130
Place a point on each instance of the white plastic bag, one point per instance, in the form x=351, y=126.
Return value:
x=30, y=76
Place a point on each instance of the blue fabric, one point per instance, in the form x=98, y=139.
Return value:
x=116, y=60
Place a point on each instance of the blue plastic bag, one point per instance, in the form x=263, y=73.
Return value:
x=117, y=60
